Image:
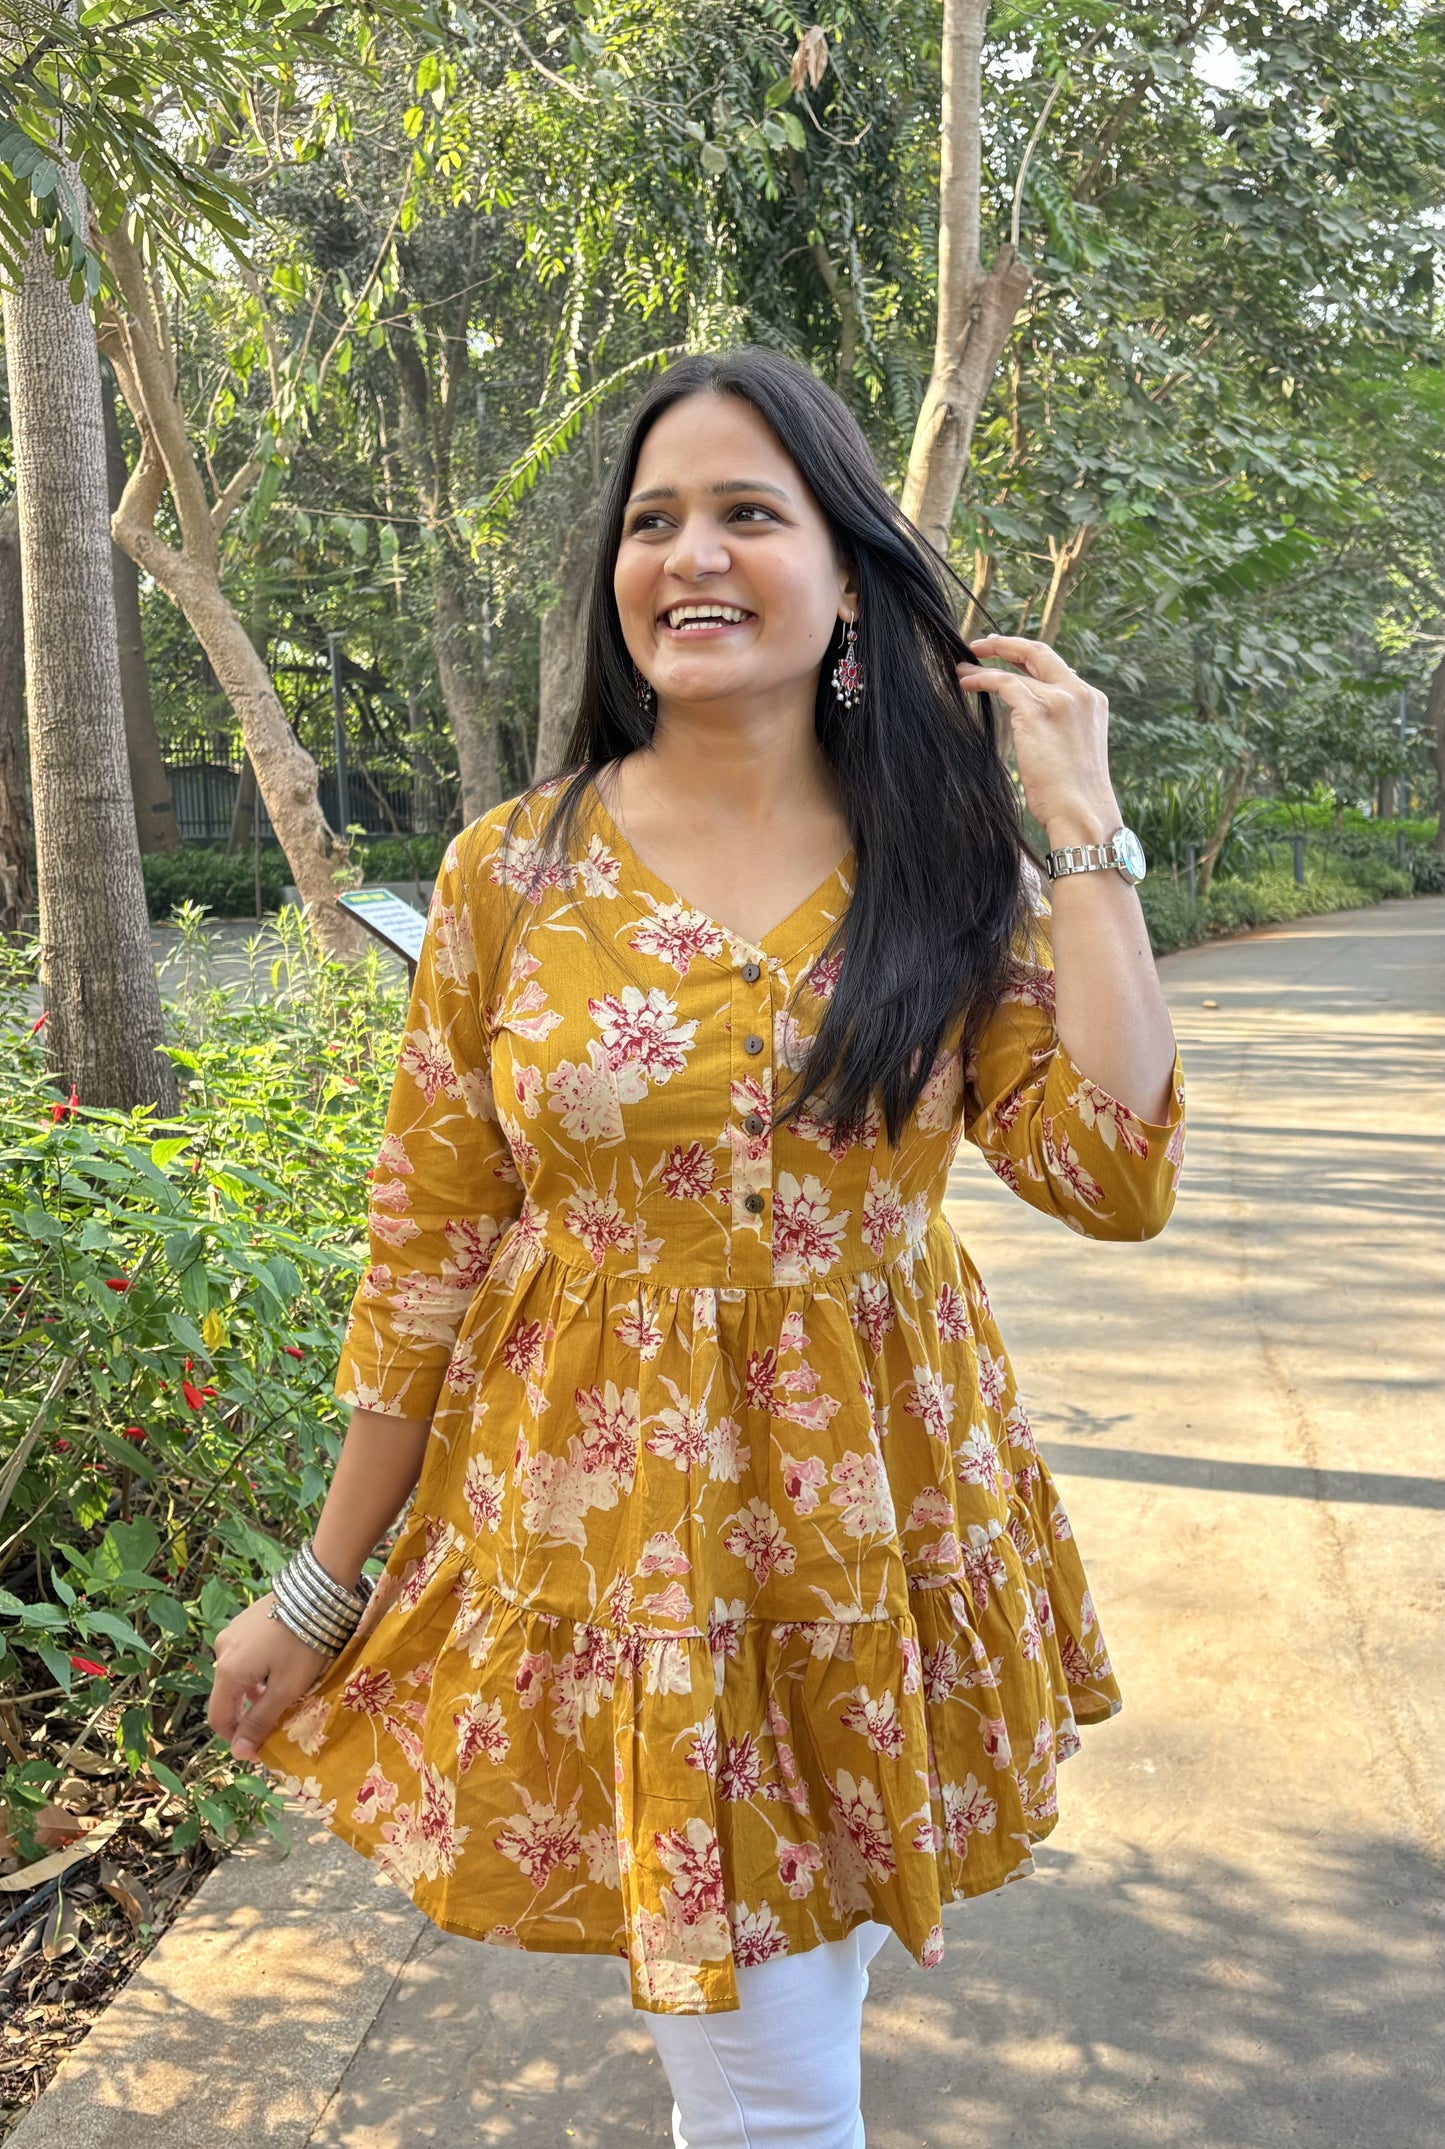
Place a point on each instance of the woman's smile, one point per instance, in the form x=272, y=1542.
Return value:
x=704, y=621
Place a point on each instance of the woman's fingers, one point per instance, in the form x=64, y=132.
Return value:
x=224, y=1710
x=1038, y=659
x=1009, y=686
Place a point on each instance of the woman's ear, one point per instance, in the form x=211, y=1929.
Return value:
x=847, y=589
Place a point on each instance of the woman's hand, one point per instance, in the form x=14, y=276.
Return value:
x=261, y=1663
x=1061, y=736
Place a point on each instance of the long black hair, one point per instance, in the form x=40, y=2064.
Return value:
x=938, y=839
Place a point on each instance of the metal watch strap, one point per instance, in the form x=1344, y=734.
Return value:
x=1080, y=858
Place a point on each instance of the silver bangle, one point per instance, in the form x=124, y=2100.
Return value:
x=314, y=1606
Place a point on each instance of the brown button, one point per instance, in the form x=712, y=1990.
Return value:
x=752, y=1044
x=752, y=972
x=753, y=1202
x=753, y=1123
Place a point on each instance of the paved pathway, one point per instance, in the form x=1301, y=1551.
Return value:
x=1233, y=1939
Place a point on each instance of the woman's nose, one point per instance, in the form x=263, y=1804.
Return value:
x=698, y=549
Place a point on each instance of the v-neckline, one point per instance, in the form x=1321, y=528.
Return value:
x=786, y=928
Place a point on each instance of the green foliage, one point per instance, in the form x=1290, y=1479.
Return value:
x=400, y=858
x=226, y=886
x=1268, y=895
x=149, y=103
x=169, y=1330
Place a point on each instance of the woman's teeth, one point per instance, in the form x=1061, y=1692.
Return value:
x=684, y=618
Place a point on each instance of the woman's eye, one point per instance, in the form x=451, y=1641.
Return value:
x=641, y=525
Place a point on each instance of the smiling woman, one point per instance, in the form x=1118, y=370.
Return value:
x=737, y=1621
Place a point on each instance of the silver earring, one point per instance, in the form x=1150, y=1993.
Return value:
x=848, y=672
x=646, y=693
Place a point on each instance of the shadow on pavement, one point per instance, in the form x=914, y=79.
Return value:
x=1158, y=2003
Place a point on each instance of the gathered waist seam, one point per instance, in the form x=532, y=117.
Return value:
x=661, y=1285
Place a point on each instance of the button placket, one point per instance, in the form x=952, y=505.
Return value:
x=752, y=1007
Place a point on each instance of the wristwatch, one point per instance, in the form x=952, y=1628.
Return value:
x=1123, y=851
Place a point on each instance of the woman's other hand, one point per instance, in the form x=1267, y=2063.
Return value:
x=1061, y=735
x=261, y=1669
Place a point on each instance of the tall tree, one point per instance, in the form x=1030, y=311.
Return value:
x=977, y=305
x=137, y=340
x=93, y=923
x=155, y=815
x=17, y=887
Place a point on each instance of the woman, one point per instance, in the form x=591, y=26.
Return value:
x=735, y=1621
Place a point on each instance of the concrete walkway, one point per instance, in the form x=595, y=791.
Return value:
x=1234, y=1937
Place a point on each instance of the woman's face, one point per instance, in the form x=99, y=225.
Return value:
x=727, y=582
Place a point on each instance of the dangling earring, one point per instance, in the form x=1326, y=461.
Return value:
x=646, y=693
x=848, y=672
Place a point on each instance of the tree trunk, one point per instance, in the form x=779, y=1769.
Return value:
x=464, y=672
x=98, y=976
x=1435, y=717
x=560, y=682
x=1067, y=558
x=980, y=582
x=1233, y=793
x=977, y=307
x=155, y=815
x=17, y=884
x=242, y=833
x=137, y=342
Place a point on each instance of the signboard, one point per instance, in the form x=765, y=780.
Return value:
x=395, y=923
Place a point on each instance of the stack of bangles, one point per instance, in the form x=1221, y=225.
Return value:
x=314, y=1606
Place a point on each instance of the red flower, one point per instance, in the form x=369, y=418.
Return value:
x=97, y=1671
x=66, y=1110
x=40, y=1024
x=188, y=1365
x=117, y=1283
x=291, y=1351
x=137, y=1433
x=62, y=1445
x=194, y=1398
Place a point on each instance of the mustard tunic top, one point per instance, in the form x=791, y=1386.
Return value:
x=735, y=1603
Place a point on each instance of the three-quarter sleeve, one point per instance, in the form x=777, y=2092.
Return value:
x=444, y=1186
x=1057, y=1138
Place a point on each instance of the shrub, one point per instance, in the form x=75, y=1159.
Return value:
x=1172, y=920
x=198, y=873
x=397, y=858
x=1427, y=871
x=169, y=1329
x=227, y=886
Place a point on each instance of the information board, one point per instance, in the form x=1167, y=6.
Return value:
x=394, y=922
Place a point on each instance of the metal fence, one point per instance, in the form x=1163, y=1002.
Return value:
x=204, y=796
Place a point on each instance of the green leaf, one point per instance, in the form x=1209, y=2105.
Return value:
x=126, y=1546
x=162, y=1152
x=170, y=1615
x=57, y=1663
x=119, y=1629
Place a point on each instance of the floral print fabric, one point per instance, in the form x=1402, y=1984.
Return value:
x=735, y=1603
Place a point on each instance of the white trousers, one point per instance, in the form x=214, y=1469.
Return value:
x=782, y=2072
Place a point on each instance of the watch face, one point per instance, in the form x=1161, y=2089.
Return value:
x=1129, y=851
